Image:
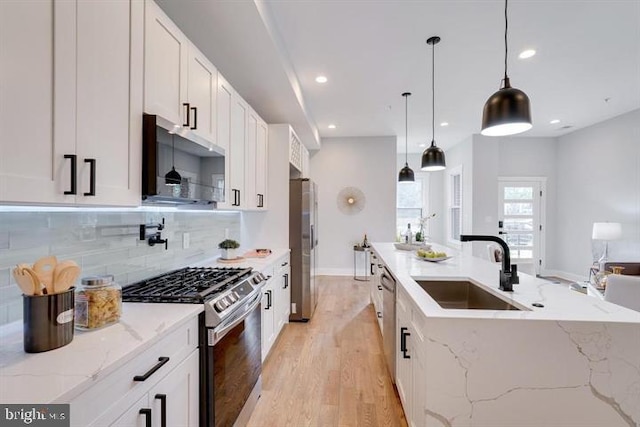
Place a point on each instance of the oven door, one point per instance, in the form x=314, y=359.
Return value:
x=234, y=354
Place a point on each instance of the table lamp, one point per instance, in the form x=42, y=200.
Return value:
x=606, y=231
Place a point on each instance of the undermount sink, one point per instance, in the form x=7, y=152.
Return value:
x=462, y=294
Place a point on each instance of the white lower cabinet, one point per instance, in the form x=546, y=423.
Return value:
x=268, y=318
x=161, y=385
x=276, y=302
x=410, y=357
x=171, y=402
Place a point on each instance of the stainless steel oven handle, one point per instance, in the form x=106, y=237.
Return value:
x=222, y=330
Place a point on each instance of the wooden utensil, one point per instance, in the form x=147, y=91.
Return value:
x=44, y=268
x=65, y=277
x=24, y=280
x=37, y=283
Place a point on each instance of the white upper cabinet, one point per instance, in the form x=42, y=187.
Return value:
x=166, y=58
x=201, y=90
x=28, y=166
x=223, y=133
x=82, y=146
x=237, y=151
x=262, y=164
x=180, y=82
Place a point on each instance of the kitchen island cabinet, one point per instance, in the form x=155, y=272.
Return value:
x=574, y=361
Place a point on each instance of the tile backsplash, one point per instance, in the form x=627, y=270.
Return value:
x=106, y=242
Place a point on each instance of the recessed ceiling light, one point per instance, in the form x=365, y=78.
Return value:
x=444, y=124
x=331, y=126
x=527, y=54
x=422, y=145
x=321, y=79
x=554, y=121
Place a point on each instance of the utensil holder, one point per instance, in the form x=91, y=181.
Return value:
x=47, y=321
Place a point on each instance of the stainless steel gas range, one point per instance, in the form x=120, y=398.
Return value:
x=230, y=334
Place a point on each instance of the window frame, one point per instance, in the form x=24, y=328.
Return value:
x=451, y=174
x=424, y=178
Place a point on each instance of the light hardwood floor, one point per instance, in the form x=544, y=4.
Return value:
x=330, y=371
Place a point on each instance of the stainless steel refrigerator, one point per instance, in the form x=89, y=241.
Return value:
x=303, y=239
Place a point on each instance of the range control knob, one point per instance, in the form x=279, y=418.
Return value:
x=232, y=298
x=236, y=295
x=219, y=306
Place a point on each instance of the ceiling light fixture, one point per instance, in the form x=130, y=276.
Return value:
x=406, y=173
x=527, y=54
x=321, y=79
x=554, y=121
x=443, y=124
x=506, y=112
x=173, y=177
x=433, y=157
x=331, y=126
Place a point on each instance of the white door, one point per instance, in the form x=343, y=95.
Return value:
x=201, y=90
x=223, y=132
x=178, y=393
x=520, y=222
x=239, y=112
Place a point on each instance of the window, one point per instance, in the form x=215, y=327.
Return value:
x=411, y=203
x=454, y=208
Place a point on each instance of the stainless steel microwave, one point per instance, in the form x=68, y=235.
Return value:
x=179, y=168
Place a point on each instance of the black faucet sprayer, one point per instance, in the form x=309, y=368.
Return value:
x=509, y=273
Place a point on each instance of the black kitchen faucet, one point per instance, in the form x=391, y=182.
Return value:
x=509, y=273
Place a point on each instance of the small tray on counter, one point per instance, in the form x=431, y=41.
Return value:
x=411, y=246
x=444, y=258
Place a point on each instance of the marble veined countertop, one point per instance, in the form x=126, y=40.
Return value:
x=560, y=302
x=61, y=374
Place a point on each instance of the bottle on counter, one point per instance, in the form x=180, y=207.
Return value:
x=365, y=242
x=408, y=235
x=98, y=302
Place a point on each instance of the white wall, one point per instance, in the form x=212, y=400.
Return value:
x=598, y=180
x=368, y=163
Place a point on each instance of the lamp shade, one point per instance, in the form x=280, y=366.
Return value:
x=433, y=159
x=172, y=177
x=406, y=174
x=506, y=112
x=606, y=231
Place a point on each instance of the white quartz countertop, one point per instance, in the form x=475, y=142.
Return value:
x=560, y=302
x=61, y=374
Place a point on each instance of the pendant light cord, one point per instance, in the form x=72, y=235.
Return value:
x=406, y=129
x=506, y=48
x=433, y=93
x=173, y=150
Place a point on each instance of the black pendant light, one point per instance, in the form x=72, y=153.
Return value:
x=406, y=174
x=506, y=112
x=173, y=177
x=433, y=157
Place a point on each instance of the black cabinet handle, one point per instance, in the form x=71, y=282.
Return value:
x=286, y=280
x=187, y=111
x=236, y=197
x=92, y=177
x=284, y=263
x=403, y=342
x=73, y=180
x=260, y=200
x=239, y=196
x=163, y=409
x=268, y=293
x=371, y=268
x=195, y=117
x=147, y=415
x=379, y=287
x=379, y=315
x=161, y=362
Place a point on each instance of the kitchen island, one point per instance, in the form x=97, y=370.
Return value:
x=573, y=361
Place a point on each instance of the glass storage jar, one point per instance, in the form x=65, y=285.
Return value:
x=98, y=302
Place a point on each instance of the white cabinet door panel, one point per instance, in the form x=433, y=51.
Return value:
x=201, y=90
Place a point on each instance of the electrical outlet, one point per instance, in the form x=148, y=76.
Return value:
x=186, y=240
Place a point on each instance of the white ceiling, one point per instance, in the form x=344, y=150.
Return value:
x=587, y=52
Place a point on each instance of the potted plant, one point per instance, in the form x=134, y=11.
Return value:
x=228, y=247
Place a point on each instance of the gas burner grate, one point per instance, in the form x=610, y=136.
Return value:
x=190, y=285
